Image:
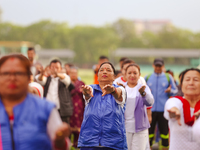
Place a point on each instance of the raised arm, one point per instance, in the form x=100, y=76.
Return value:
x=146, y=95
x=172, y=110
x=87, y=91
x=116, y=92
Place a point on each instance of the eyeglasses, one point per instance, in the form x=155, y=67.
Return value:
x=17, y=75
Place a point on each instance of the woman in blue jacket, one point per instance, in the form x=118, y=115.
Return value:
x=103, y=124
x=136, y=120
x=26, y=121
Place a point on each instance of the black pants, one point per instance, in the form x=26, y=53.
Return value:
x=157, y=117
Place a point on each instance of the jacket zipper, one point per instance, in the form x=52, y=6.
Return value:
x=12, y=137
x=156, y=92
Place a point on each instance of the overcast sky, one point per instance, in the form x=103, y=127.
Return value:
x=182, y=13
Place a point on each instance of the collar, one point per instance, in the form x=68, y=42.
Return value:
x=97, y=87
x=122, y=79
x=157, y=75
x=16, y=112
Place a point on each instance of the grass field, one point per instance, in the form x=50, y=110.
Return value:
x=86, y=75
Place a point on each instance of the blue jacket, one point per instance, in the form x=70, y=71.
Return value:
x=103, y=123
x=158, y=83
x=30, y=125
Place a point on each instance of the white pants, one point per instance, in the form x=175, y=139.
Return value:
x=137, y=141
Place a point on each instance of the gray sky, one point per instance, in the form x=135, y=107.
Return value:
x=182, y=13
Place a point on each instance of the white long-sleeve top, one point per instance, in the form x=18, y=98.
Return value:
x=52, y=94
x=132, y=93
x=181, y=137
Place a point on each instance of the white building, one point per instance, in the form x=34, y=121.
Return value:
x=150, y=25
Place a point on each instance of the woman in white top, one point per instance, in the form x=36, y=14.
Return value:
x=181, y=111
x=136, y=121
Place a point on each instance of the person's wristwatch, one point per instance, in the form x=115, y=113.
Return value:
x=114, y=91
x=143, y=94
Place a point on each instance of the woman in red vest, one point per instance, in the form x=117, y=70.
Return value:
x=181, y=111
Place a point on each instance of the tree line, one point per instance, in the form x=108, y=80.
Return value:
x=89, y=42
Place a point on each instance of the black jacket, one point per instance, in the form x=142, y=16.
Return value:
x=66, y=106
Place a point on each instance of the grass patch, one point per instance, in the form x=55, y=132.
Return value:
x=86, y=75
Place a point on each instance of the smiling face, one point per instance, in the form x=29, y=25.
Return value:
x=191, y=83
x=132, y=75
x=106, y=73
x=14, y=78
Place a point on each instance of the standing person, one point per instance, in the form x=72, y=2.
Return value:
x=103, y=123
x=35, y=65
x=67, y=67
x=56, y=89
x=78, y=105
x=136, y=120
x=121, y=61
x=162, y=86
x=26, y=121
x=181, y=112
x=102, y=59
x=122, y=79
x=172, y=74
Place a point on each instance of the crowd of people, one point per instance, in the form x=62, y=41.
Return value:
x=49, y=107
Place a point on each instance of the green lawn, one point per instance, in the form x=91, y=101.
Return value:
x=86, y=75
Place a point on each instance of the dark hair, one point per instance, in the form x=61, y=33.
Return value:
x=103, y=57
x=117, y=72
x=55, y=61
x=180, y=74
x=24, y=61
x=184, y=72
x=74, y=67
x=109, y=64
x=170, y=72
x=31, y=49
x=123, y=58
x=127, y=61
x=135, y=65
x=69, y=64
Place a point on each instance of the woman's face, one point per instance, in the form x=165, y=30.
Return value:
x=191, y=83
x=73, y=74
x=14, y=78
x=106, y=73
x=132, y=75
